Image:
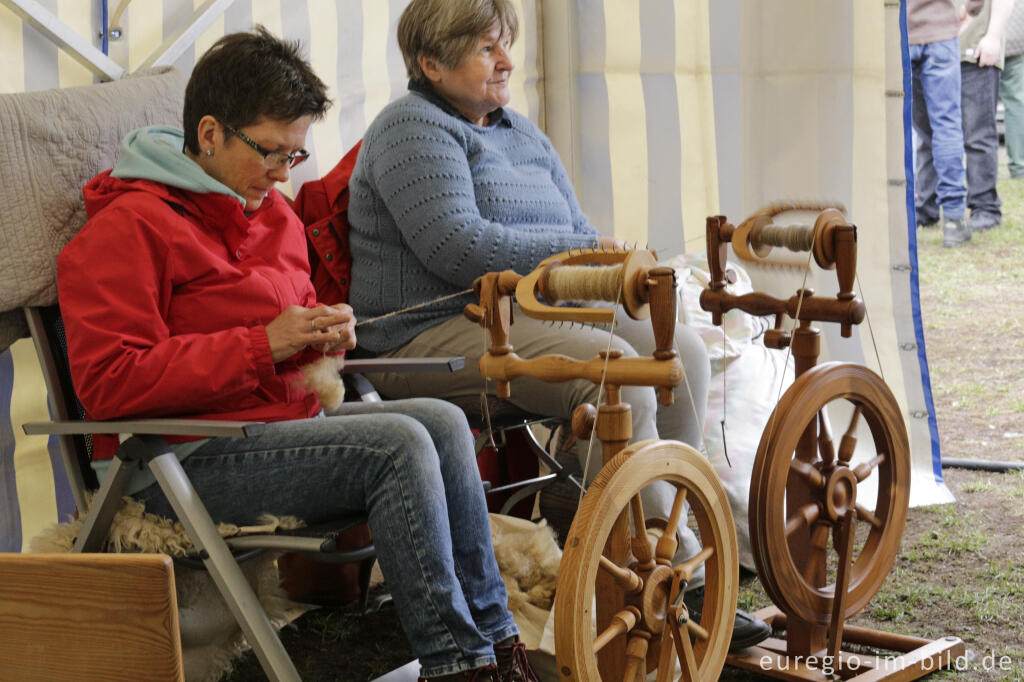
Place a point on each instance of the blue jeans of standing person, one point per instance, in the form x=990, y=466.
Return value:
x=939, y=167
x=410, y=465
x=980, y=90
x=1011, y=91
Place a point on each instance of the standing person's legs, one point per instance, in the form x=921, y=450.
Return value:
x=925, y=178
x=1011, y=91
x=980, y=90
x=940, y=84
x=389, y=465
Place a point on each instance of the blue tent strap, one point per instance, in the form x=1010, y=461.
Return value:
x=915, y=285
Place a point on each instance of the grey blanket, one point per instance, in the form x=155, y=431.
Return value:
x=51, y=143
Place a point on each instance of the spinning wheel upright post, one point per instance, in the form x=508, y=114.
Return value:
x=619, y=614
x=806, y=494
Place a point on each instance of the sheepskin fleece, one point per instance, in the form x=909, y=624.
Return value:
x=323, y=377
x=210, y=638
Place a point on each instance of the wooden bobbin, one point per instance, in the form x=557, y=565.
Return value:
x=634, y=296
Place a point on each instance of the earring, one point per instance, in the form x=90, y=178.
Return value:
x=209, y=152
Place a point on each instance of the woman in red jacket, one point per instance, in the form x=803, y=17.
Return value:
x=187, y=294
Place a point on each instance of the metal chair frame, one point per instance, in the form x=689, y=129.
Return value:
x=147, y=446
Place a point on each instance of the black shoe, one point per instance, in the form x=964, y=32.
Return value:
x=747, y=629
x=982, y=221
x=955, y=233
x=925, y=219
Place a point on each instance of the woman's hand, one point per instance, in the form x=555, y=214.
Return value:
x=326, y=328
x=337, y=319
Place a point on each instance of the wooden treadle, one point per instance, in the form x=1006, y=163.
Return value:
x=911, y=657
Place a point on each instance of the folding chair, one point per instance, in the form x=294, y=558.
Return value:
x=218, y=555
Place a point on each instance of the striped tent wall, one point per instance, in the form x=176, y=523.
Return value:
x=670, y=111
x=809, y=104
x=630, y=110
x=352, y=46
x=664, y=112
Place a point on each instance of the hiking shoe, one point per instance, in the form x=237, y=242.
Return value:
x=981, y=222
x=512, y=663
x=747, y=629
x=955, y=233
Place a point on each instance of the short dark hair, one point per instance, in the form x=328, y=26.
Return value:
x=448, y=30
x=245, y=77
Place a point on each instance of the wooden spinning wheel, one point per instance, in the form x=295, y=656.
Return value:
x=822, y=550
x=618, y=614
x=801, y=502
x=650, y=629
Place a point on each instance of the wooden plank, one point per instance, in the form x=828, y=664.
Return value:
x=88, y=617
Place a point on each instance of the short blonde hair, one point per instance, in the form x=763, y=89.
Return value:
x=447, y=30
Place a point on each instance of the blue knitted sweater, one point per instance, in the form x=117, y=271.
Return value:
x=437, y=201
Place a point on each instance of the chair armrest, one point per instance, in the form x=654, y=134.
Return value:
x=170, y=427
x=362, y=366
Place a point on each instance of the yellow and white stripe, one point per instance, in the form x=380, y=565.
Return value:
x=33, y=472
x=627, y=120
x=12, y=76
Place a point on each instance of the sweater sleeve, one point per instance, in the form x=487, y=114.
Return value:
x=422, y=172
x=115, y=284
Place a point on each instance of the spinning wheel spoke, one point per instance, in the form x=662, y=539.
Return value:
x=849, y=442
x=665, y=667
x=694, y=628
x=825, y=448
x=685, y=570
x=862, y=471
x=863, y=513
x=640, y=542
x=667, y=543
x=628, y=581
x=808, y=472
x=816, y=557
x=806, y=514
x=636, y=654
x=622, y=622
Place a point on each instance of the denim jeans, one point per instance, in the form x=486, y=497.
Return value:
x=1011, y=91
x=410, y=466
x=939, y=166
x=980, y=89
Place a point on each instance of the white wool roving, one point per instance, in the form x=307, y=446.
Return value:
x=323, y=377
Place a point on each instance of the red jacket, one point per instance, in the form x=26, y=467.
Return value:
x=323, y=207
x=165, y=295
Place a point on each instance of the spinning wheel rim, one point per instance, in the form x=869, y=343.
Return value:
x=618, y=481
x=783, y=580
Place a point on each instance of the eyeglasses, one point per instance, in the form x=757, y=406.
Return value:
x=271, y=159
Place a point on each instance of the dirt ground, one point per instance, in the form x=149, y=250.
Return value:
x=960, y=570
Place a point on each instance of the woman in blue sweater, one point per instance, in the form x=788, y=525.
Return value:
x=450, y=185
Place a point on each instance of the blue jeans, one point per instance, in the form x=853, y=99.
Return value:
x=1011, y=91
x=410, y=465
x=939, y=166
x=981, y=138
